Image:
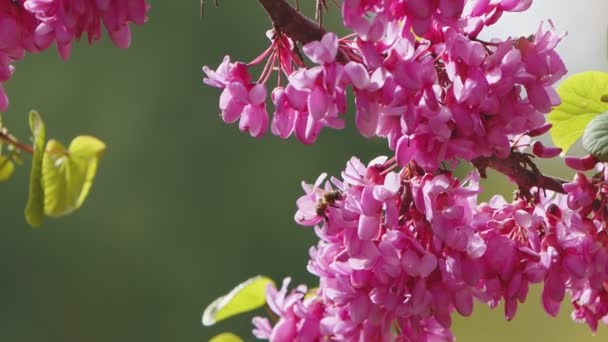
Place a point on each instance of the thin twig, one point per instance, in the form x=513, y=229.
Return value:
x=519, y=167
x=11, y=140
x=215, y=2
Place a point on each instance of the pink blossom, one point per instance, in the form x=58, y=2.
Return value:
x=440, y=96
x=240, y=98
x=299, y=317
x=62, y=21
x=16, y=36
x=403, y=243
x=33, y=25
x=366, y=249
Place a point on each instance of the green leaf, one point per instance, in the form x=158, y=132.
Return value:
x=247, y=296
x=34, y=210
x=582, y=98
x=6, y=168
x=595, y=138
x=226, y=337
x=67, y=175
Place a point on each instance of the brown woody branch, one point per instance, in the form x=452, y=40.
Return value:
x=291, y=22
x=520, y=168
x=295, y=25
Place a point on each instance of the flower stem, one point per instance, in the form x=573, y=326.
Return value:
x=4, y=136
x=291, y=22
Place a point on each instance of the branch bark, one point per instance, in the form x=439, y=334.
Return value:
x=291, y=22
x=520, y=168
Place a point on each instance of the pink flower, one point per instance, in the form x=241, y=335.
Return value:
x=401, y=251
x=440, y=96
x=323, y=51
x=240, y=98
x=16, y=36
x=366, y=249
x=299, y=318
x=33, y=25
x=65, y=20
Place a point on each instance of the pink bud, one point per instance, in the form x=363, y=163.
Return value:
x=543, y=151
x=540, y=130
x=581, y=164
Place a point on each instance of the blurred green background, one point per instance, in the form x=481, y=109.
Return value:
x=184, y=206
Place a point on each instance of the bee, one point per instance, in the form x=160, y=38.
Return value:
x=328, y=199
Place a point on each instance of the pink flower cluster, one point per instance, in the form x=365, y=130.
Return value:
x=428, y=18
x=420, y=78
x=561, y=241
x=404, y=244
x=34, y=25
x=400, y=252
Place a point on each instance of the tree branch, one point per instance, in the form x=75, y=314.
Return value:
x=291, y=22
x=520, y=169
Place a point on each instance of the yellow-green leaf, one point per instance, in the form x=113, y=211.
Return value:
x=34, y=210
x=247, y=296
x=6, y=168
x=226, y=337
x=582, y=100
x=16, y=158
x=67, y=175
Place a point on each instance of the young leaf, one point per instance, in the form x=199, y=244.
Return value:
x=67, y=175
x=6, y=168
x=34, y=210
x=581, y=96
x=226, y=337
x=595, y=138
x=247, y=296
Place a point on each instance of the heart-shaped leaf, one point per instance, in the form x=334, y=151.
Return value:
x=34, y=210
x=595, y=138
x=226, y=337
x=67, y=175
x=582, y=98
x=247, y=296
